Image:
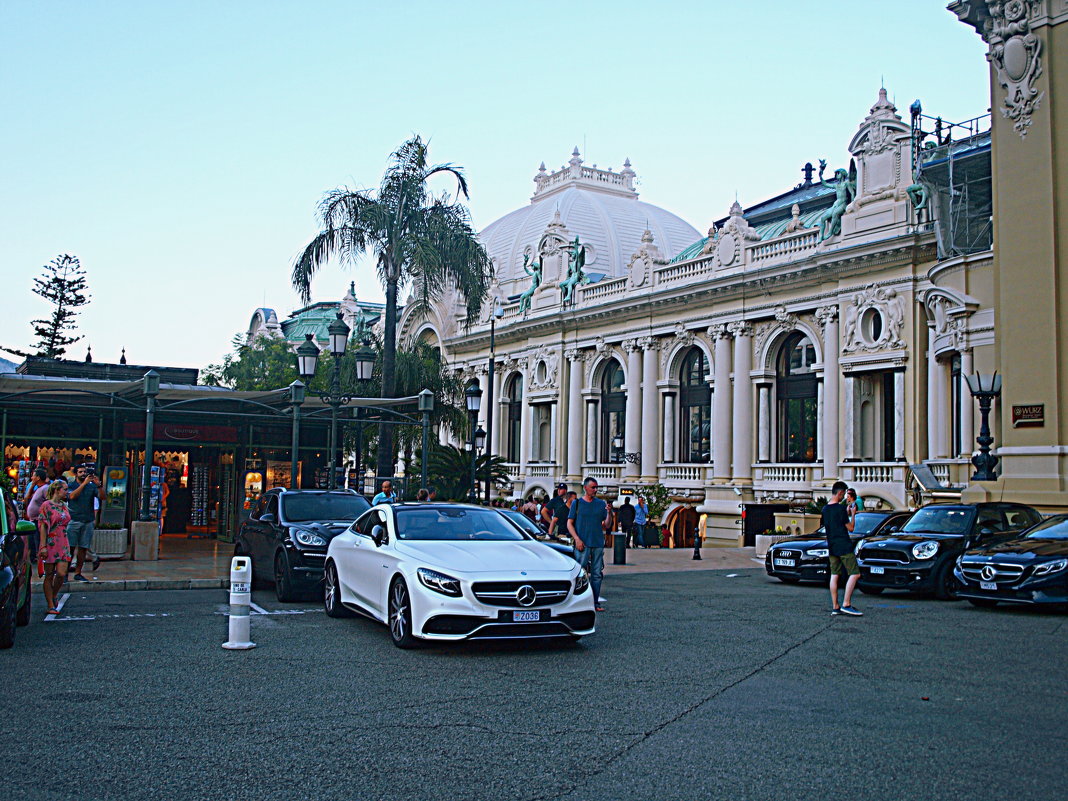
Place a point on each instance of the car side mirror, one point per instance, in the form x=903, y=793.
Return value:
x=267, y=517
x=25, y=527
x=378, y=535
x=986, y=532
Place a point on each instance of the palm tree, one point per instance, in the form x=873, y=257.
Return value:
x=416, y=239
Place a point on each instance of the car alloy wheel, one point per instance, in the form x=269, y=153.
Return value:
x=283, y=586
x=400, y=615
x=945, y=583
x=332, y=594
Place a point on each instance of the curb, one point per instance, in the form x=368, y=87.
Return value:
x=146, y=584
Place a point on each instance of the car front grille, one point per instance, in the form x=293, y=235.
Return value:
x=884, y=556
x=1003, y=573
x=505, y=593
x=782, y=553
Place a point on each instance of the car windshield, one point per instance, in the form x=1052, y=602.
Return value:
x=1055, y=528
x=939, y=521
x=454, y=523
x=522, y=521
x=300, y=508
x=865, y=522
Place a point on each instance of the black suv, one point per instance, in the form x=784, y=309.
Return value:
x=921, y=557
x=16, y=563
x=290, y=530
x=804, y=557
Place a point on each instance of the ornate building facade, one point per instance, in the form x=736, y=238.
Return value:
x=821, y=334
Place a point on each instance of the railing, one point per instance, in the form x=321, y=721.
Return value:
x=541, y=470
x=788, y=246
x=589, y=174
x=951, y=472
x=607, y=472
x=510, y=310
x=513, y=471
x=603, y=289
x=874, y=472
x=683, y=270
x=682, y=472
x=783, y=473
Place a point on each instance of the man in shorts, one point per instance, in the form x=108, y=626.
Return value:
x=85, y=488
x=838, y=523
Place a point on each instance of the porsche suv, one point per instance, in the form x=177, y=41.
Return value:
x=922, y=556
x=1031, y=569
x=804, y=557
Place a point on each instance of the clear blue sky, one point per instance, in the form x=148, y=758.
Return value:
x=179, y=149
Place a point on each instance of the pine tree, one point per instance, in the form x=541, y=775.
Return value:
x=63, y=285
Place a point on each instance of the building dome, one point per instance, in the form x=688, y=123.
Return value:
x=600, y=207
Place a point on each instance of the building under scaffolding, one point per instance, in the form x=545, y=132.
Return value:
x=952, y=160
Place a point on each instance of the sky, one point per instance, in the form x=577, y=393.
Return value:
x=179, y=149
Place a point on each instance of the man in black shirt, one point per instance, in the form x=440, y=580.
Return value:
x=626, y=519
x=838, y=523
x=557, y=508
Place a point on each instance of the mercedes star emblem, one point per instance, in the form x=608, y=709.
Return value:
x=526, y=595
x=988, y=573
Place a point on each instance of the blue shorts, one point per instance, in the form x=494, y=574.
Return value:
x=80, y=535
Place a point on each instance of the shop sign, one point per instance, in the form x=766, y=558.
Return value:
x=1031, y=415
x=171, y=432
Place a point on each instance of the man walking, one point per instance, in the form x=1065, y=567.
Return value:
x=554, y=508
x=587, y=522
x=641, y=519
x=387, y=495
x=626, y=515
x=838, y=522
x=83, y=491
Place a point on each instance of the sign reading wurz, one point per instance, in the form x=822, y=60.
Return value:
x=1029, y=415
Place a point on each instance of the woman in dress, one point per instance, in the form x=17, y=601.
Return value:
x=55, y=552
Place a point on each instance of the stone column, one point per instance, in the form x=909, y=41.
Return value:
x=899, y=415
x=494, y=444
x=722, y=443
x=743, y=402
x=764, y=423
x=483, y=384
x=591, y=431
x=650, y=392
x=850, y=417
x=830, y=418
x=632, y=440
x=819, y=424
x=573, y=454
x=967, y=407
x=933, y=409
x=525, y=427
x=670, y=436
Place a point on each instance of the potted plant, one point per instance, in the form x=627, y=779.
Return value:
x=770, y=537
x=110, y=540
x=657, y=500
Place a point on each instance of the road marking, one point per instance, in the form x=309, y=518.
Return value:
x=109, y=617
x=257, y=608
x=59, y=607
x=732, y=575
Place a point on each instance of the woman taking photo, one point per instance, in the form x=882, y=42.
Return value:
x=55, y=552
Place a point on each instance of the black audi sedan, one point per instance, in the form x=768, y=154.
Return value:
x=804, y=557
x=288, y=532
x=922, y=556
x=1031, y=569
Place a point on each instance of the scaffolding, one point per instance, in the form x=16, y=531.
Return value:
x=952, y=161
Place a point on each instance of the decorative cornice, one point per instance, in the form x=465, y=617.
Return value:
x=740, y=328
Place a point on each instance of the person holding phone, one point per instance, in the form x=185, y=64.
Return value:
x=587, y=522
x=83, y=490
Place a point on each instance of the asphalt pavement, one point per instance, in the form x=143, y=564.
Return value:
x=706, y=685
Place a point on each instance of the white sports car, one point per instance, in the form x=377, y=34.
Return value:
x=445, y=571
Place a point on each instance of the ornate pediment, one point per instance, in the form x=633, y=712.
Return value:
x=874, y=321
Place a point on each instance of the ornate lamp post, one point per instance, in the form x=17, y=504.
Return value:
x=984, y=388
x=150, y=386
x=473, y=398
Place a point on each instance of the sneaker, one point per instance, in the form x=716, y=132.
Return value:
x=80, y=577
x=851, y=610
x=836, y=612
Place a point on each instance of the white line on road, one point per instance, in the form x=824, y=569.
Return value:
x=59, y=607
x=257, y=608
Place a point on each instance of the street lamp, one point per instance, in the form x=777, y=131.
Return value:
x=984, y=388
x=480, y=439
x=498, y=313
x=307, y=358
x=473, y=399
x=150, y=387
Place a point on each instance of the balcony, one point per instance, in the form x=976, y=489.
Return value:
x=786, y=476
x=682, y=473
x=603, y=472
x=874, y=472
x=542, y=470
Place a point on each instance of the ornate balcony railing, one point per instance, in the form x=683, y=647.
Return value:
x=874, y=472
x=786, y=247
x=682, y=472
x=602, y=289
x=783, y=473
x=544, y=470
x=682, y=271
x=603, y=472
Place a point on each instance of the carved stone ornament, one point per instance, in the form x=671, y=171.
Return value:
x=601, y=346
x=734, y=233
x=718, y=331
x=740, y=328
x=1015, y=51
x=824, y=315
x=576, y=355
x=651, y=343
x=631, y=345
x=641, y=264
x=544, y=369
x=874, y=321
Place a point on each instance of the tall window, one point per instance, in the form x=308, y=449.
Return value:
x=514, y=423
x=695, y=402
x=796, y=390
x=613, y=413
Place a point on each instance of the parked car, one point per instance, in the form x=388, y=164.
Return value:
x=1030, y=569
x=922, y=556
x=16, y=564
x=454, y=572
x=288, y=532
x=528, y=526
x=804, y=557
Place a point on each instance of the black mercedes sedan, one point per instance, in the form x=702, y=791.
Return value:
x=1031, y=569
x=804, y=557
x=922, y=556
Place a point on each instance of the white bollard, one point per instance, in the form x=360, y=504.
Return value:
x=240, y=598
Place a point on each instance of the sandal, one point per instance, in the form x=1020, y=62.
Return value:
x=52, y=611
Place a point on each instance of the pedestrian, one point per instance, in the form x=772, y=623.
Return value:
x=530, y=509
x=423, y=494
x=37, y=481
x=80, y=496
x=387, y=495
x=626, y=515
x=587, y=522
x=55, y=519
x=558, y=525
x=854, y=501
x=641, y=519
x=555, y=508
x=32, y=510
x=838, y=523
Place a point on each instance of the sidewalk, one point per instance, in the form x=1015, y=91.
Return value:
x=201, y=564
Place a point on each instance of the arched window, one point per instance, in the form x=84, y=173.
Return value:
x=795, y=387
x=695, y=407
x=613, y=413
x=513, y=423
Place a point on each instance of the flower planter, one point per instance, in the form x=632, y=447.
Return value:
x=111, y=543
x=765, y=541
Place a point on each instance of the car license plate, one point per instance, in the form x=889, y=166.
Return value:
x=988, y=585
x=532, y=616
x=878, y=571
x=784, y=562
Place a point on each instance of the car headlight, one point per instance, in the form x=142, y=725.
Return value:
x=925, y=550
x=817, y=553
x=582, y=582
x=860, y=544
x=307, y=538
x=1051, y=567
x=439, y=582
